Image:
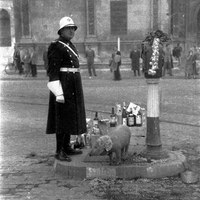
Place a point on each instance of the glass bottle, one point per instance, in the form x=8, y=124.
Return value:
x=131, y=118
x=113, y=118
x=124, y=114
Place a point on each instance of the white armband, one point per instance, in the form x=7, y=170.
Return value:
x=55, y=87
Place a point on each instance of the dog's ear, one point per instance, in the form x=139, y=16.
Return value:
x=100, y=142
x=107, y=142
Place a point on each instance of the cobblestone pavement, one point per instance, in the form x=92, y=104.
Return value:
x=27, y=153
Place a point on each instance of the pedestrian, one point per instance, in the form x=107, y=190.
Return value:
x=26, y=59
x=90, y=55
x=34, y=58
x=135, y=60
x=17, y=60
x=115, y=64
x=168, y=65
x=189, y=64
x=194, y=62
x=66, y=114
x=45, y=59
x=177, y=53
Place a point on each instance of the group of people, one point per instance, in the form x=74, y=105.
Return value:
x=137, y=60
x=25, y=62
x=168, y=56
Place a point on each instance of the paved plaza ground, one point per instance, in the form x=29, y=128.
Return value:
x=27, y=152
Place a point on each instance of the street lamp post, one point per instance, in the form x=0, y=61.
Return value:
x=153, y=61
x=153, y=141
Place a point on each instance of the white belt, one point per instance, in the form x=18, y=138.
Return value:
x=65, y=69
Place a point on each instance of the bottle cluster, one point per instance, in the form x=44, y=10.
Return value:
x=121, y=114
x=130, y=116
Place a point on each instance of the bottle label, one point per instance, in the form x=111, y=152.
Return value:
x=124, y=121
x=95, y=122
x=131, y=121
x=113, y=121
x=138, y=119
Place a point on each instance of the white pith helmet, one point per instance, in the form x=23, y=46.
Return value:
x=66, y=22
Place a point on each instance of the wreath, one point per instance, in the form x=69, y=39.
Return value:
x=154, y=39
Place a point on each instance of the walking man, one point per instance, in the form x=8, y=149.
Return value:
x=90, y=55
x=135, y=60
x=177, y=53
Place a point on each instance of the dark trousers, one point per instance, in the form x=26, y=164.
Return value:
x=117, y=75
x=62, y=142
x=167, y=66
x=91, y=69
x=194, y=69
x=33, y=70
x=18, y=66
x=136, y=70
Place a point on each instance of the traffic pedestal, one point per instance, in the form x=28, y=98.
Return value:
x=153, y=141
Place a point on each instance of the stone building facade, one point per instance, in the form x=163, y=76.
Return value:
x=100, y=23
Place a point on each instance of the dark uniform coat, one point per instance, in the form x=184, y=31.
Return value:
x=68, y=117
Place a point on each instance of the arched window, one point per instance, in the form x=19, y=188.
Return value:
x=5, y=36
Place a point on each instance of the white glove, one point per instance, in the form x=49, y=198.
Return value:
x=60, y=99
x=55, y=87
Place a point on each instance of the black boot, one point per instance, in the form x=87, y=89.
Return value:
x=59, y=141
x=67, y=147
x=62, y=156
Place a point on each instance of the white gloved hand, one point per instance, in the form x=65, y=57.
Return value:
x=60, y=99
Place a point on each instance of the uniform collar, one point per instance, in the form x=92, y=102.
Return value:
x=66, y=41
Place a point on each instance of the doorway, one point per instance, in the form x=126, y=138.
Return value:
x=5, y=29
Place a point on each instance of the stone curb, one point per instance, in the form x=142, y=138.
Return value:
x=171, y=166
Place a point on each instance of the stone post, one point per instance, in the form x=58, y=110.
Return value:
x=153, y=141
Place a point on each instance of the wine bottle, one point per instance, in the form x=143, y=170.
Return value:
x=124, y=114
x=96, y=120
x=131, y=118
x=113, y=119
x=138, y=119
x=119, y=113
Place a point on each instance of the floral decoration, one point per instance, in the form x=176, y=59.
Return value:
x=154, y=39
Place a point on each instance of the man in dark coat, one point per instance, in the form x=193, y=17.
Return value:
x=135, y=60
x=66, y=114
x=177, y=53
x=90, y=55
x=17, y=60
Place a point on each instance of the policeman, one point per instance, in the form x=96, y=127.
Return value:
x=66, y=114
